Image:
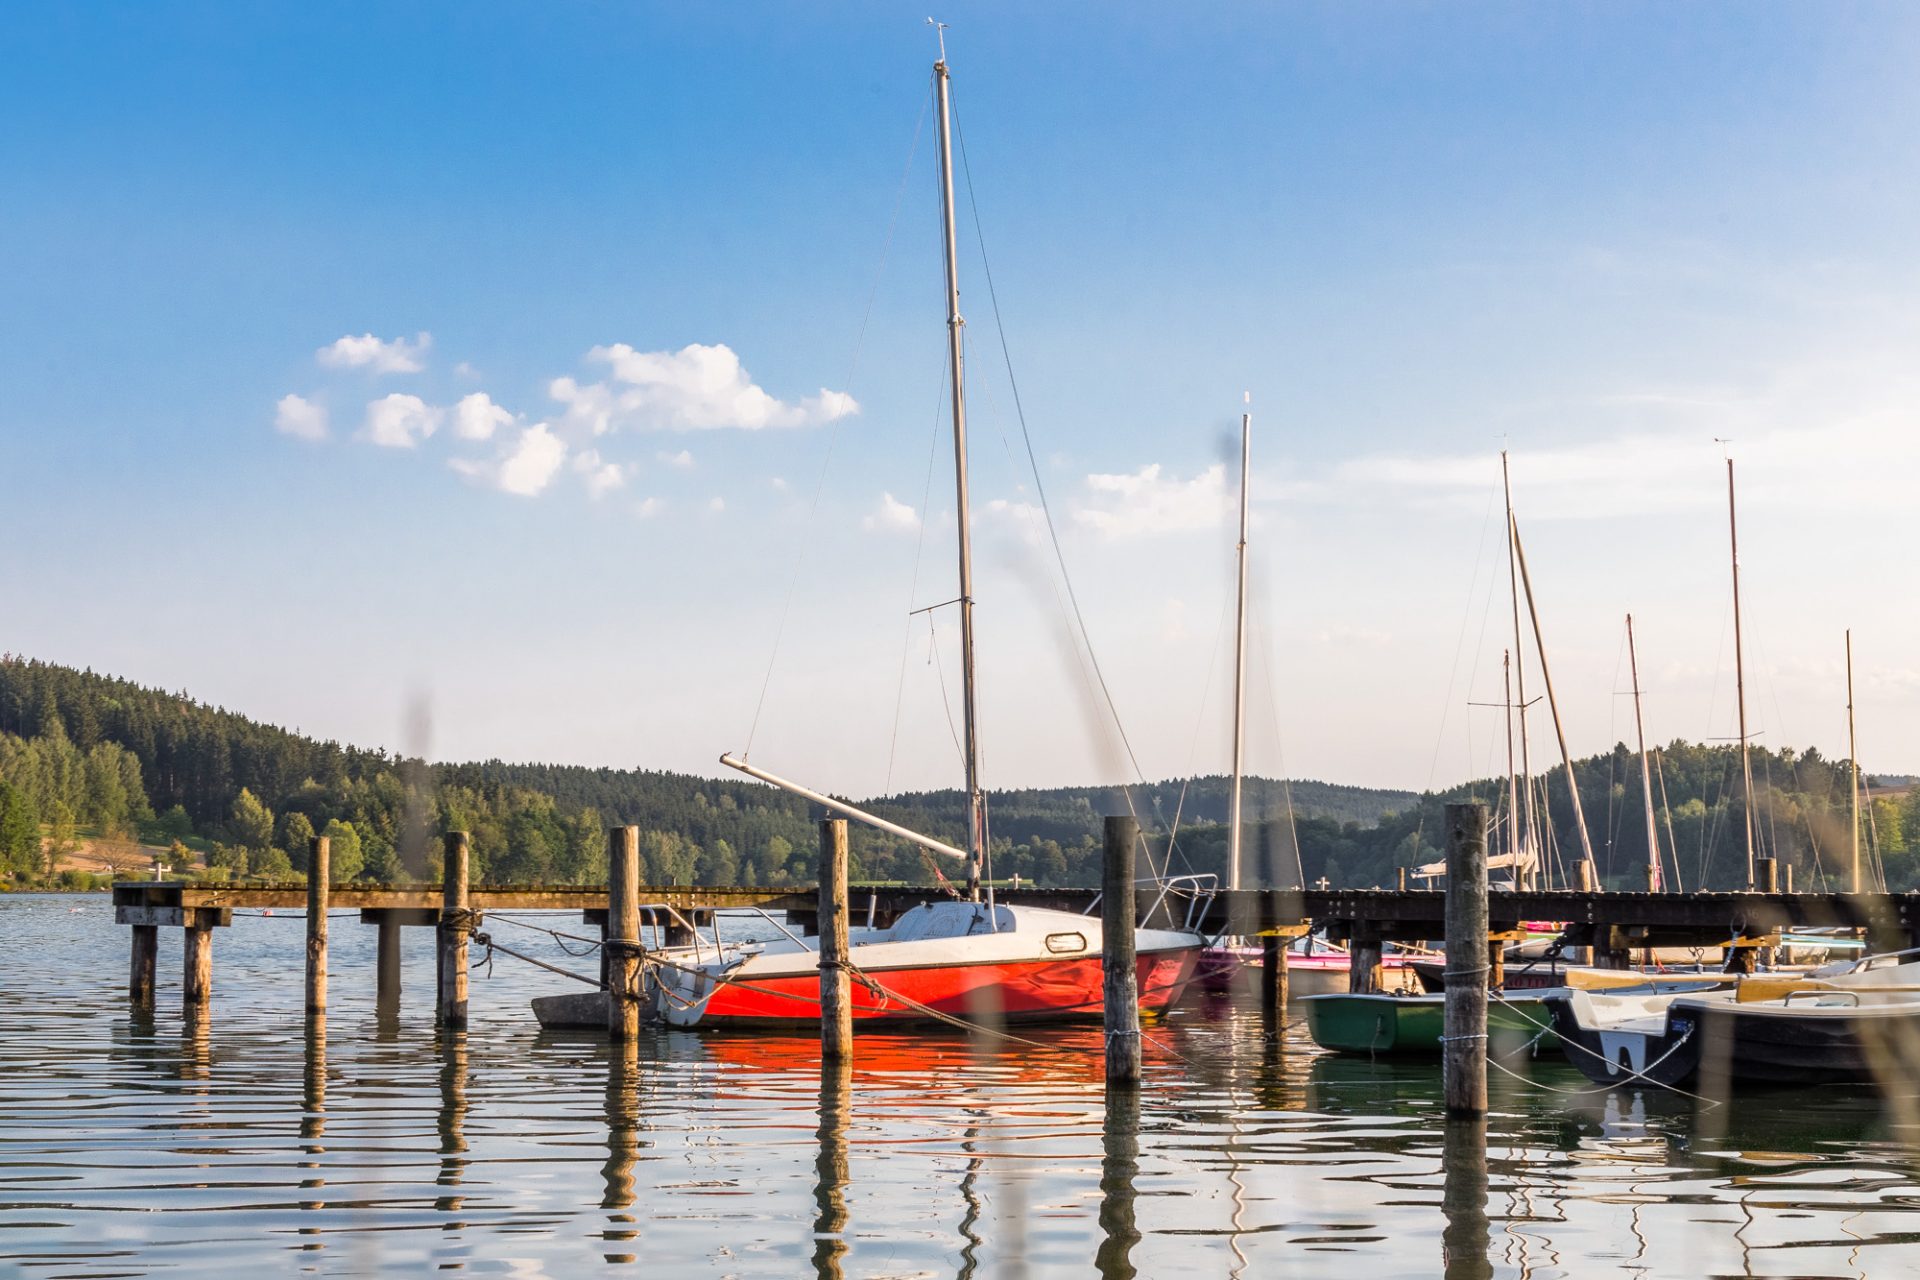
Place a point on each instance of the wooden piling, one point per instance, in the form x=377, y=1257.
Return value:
x=386, y=981
x=836, y=986
x=1364, y=957
x=1767, y=872
x=1497, y=964
x=196, y=984
x=319, y=873
x=1583, y=877
x=1273, y=973
x=1117, y=955
x=623, y=933
x=146, y=952
x=1465, y=1036
x=456, y=922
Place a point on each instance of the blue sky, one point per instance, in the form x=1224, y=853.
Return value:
x=1600, y=234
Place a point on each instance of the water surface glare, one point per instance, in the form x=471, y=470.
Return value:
x=255, y=1142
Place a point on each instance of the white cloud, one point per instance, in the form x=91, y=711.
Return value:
x=476, y=417
x=647, y=508
x=600, y=476
x=696, y=388
x=604, y=479
x=1146, y=503
x=465, y=370
x=376, y=354
x=892, y=514
x=682, y=459
x=526, y=466
x=401, y=421
x=299, y=417
x=779, y=484
x=716, y=504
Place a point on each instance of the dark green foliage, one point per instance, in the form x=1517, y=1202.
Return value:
x=75, y=744
x=19, y=832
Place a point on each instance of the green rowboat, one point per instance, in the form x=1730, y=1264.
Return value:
x=1412, y=1024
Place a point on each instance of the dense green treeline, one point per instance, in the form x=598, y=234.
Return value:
x=83, y=750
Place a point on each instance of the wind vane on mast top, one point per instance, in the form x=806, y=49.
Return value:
x=940, y=30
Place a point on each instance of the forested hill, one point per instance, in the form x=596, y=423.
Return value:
x=234, y=797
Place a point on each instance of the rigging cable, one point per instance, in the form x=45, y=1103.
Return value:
x=1040, y=488
x=833, y=437
x=913, y=590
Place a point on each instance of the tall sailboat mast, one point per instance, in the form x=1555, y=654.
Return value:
x=976, y=798
x=1239, y=665
x=1740, y=670
x=1646, y=774
x=1546, y=678
x=1530, y=836
x=1853, y=769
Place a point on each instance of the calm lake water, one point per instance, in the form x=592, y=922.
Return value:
x=252, y=1145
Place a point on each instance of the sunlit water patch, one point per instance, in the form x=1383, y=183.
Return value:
x=255, y=1143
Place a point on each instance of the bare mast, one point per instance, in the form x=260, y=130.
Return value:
x=1853, y=768
x=976, y=798
x=1239, y=666
x=1646, y=775
x=1740, y=670
x=1531, y=836
x=1546, y=678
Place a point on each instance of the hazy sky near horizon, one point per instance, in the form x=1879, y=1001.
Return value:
x=525, y=362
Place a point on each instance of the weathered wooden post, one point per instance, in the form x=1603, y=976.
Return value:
x=319, y=875
x=1117, y=958
x=836, y=987
x=1273, y=973
x=146, y=952
x=456, y=922
x=1403, y=879
x=197, y=976
x=623, y=933
x=1768, y=871
x=1583, y=875
x=1496, y=964
x=1464, y=1038
x=1364, y=954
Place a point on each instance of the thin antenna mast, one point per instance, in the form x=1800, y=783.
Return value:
x=1646, y=775
x=976, y=798
x=1239, y=664
x=1513, y=780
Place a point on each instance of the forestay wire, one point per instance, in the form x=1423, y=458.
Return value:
x=833, y=437
x=1039, y=485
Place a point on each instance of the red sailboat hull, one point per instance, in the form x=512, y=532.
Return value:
x=1048, y=990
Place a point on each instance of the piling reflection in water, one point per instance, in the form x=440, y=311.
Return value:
x=452, y=1121
x=137, y=1143
x=830, y=1169
x=623, y=1144
x=1464, y=1241
x=1119, y=1167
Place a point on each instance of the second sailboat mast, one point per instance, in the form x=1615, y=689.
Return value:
x=1239, y=666
x=976, y=799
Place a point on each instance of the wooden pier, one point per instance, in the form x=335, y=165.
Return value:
x=1612, y=924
